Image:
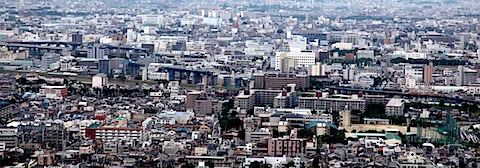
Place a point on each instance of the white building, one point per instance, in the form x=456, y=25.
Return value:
x=99, y=81
x=296, y=43
x=365, y=54
x=53, y=92
x=343, y=46
x=180, y=117
x=276, y=162
x=304, y=59
x=414, y=71
x=318, y=69
x=411, y=55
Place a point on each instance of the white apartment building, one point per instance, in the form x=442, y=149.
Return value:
x=318, y=69
x=411, y=55
x=99, y=81
x=115, y=134
x=54, y=92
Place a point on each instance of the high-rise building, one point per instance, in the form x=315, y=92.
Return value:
x=287, y=64
x=48, y=59
x=466, y=76
x=346, y=117
x=104, y=66
x=77, y=38
x=97, y=51
x=100, y=80
x=8, y=138
x=427, y=73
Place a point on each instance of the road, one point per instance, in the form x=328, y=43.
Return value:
x=88, y=80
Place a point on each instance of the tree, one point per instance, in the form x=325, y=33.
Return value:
x=187, y=165
x=256, y=164
x=210, y=164
x=304, y=133
x=442, y=102
x=290, y=164
x=122, y=77
x=315, y=163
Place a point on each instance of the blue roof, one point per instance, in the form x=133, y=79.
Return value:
x=182, y=129
x=291, y=116
x=313, y=124
x=369, y=134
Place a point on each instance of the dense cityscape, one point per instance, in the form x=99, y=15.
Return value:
x=239, y=84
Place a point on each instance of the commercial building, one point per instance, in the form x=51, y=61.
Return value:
x=466, y=76
x=77, y=38
x=206, y=106
x=180, y=117
x=256, y=136
x=104, y=66
x=289, y=147
x=48, y=59
x=54, y=134
x=280, y=80
x=54, y=92
x=318, y=69
x=97, y=51
x=303, y=59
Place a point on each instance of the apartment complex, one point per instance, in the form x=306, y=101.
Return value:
x=289, y=147
x=333, y=104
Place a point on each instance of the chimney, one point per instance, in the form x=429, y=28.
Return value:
x=360, y=94
x=318, y=94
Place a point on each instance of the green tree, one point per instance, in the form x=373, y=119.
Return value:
x=290, y=164
x=442, y=102
x=210, y=164
x=256, y=164
x=187, y=165
x=315, y=163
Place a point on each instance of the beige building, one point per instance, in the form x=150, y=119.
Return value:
x=395, y=107
x=286, y=147
x=248, y=99
x=334, y=104
x=206, y=106
x=427, y=73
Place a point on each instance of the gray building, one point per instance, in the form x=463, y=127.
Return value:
x=104, y=66
x=8, y=138
x=48, y=59
x=97, y=51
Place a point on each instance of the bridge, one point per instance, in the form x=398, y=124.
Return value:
x=392, y=92
x=35, y=48
x=18, y=45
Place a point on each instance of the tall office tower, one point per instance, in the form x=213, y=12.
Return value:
x=427, y=73
x=104, y=66
x=77, y=38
